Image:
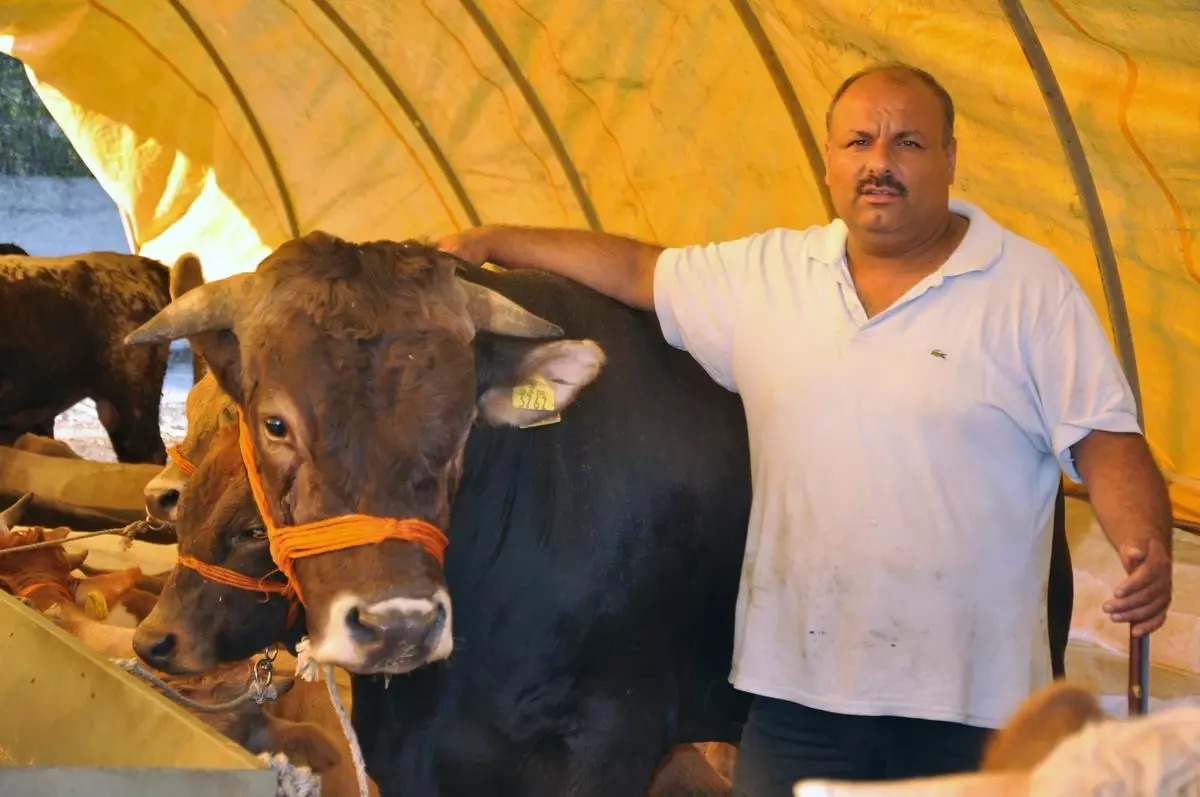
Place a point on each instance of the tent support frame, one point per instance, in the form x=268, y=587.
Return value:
x=1139, y=648
x=260, y=135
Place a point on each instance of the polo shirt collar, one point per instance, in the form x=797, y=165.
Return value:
x=979, y=249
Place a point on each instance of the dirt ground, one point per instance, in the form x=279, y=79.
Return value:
x=79, y=427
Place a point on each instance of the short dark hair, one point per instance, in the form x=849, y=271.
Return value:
x=912, y=71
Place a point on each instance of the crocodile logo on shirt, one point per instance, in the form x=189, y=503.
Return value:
x=941, y=355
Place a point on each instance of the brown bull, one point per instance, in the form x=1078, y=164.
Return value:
x=329, y=345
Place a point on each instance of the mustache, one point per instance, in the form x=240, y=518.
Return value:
x=885, y=180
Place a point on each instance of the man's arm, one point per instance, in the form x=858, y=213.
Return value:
x=1129, y=498
x=620, y=268
x=1090, y=424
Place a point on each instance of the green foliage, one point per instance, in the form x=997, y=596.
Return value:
x=31, y=142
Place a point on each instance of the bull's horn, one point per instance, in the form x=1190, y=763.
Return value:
x=494, y=313
x=12, y=516
x=205, y=308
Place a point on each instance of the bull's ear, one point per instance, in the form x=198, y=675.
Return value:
x=187, y=273
x=523, y=382
x=222, y=354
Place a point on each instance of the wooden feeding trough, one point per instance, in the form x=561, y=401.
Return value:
x=73, y=723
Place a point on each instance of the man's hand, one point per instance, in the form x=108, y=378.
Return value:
x=1129, y=498
x=470, y=245
x=618, y=267
x=1143, y=597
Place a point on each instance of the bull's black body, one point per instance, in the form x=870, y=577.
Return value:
x=594, y=569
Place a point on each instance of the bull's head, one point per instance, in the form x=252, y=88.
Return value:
x=359, y=372
x=208, y=408
x=198, y=622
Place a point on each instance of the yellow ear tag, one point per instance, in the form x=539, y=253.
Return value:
x=536, y=394
x=95, y=606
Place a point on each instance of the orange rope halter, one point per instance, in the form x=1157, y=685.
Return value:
x=225, y=576
x=232, y=578
x=289, y=543
x=180, y=462
x=59, y=589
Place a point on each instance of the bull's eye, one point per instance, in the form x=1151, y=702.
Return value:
x=257, y=533
x=275, y=427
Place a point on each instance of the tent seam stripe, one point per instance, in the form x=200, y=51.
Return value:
x=410, y=110
x=244, y=105
x=539, y=111
x=1081, y=175
x=789, y=98
x=1138, y=693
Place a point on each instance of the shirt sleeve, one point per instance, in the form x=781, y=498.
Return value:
x=696, y=291
x=1079, y=381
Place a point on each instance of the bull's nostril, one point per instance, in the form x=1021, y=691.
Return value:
x=163, y=648
x=168, y=499
x=439, y=621
x=362, y=630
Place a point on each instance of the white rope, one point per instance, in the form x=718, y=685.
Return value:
x=309, y=670
x=291, y=780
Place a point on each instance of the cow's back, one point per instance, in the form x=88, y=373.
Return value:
x=62, y=327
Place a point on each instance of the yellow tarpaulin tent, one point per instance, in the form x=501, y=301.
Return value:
x=226, y=127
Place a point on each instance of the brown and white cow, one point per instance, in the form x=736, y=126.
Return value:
x=207, y=409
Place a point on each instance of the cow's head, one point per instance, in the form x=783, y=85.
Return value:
x=197, y=621
x=359, y=372
x=207, y=409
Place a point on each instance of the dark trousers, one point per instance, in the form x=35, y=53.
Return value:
x=1060, y=597
x=784, y=742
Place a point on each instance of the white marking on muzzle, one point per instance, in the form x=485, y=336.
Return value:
x=443, y=646
x=336, y=645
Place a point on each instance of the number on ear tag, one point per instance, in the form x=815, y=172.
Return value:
x=536, y=394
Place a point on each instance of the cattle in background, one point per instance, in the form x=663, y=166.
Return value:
x=84, y=607
x=187, y=273
x=63, y=321
x=45, y=446
x=207, y=408
x=595, y=561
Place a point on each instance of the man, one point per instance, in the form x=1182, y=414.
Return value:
x=914, y=378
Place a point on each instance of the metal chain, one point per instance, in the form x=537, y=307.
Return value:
x=260, y=690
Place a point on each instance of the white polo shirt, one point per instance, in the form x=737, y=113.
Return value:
x=904, y=467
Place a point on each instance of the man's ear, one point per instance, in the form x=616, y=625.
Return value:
x=223, y=356
x=522, y=381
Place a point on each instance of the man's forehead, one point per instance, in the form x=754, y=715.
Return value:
x=888, y=96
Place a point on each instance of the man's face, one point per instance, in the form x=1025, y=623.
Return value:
x=888, y=171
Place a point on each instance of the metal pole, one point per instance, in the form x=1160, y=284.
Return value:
x=1068, y=136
